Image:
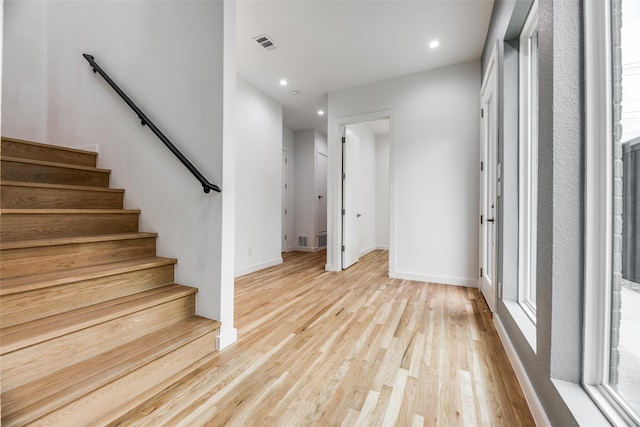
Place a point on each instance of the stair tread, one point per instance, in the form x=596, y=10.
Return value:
x=66, y=211
x=71, y=240
x=13, y=285
x=56, y=147
x=26, y=334
x=59, y=186
x=59, y=388
x=53, y=164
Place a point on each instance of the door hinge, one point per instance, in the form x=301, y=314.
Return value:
x=285, y=186
x=285, y=237
x=285, y=211
x=342, y=211
x=286, y=160
x=481, y=220
x=481, y=166
x=482, y=113
x=342, y=248
x=344, y=139
x=344, y=175
x=480, y=271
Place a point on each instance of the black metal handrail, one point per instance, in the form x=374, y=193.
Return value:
x=206, y=185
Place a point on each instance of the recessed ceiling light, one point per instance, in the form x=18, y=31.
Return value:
x=320, y=112
x=283, y=82
x=434, y=43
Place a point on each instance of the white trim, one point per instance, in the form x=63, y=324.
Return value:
x=530, y=395
x=330, y=267
x=524, y=322
x=527, y=166
x=258, y=267
x=597, y=190
x=226, y=338
x=599, y=213
x=334, y=185
x=445, y=280
x=582, y=407
x=491, y=78
x=367, y=250
x=306, y=249
x=382, y=247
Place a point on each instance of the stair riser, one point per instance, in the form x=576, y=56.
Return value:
x=30, y=363
x=20, y=262
x=118, y=395
x=38, y=226
x=36, y=304
x=19, y=197
x=27, y=172
x=26, y=150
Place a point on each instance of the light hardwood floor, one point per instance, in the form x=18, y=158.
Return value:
x=354, y=349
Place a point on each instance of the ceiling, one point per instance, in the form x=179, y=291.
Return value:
x=328, y=45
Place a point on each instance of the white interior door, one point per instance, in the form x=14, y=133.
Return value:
x=285, y=198
x=321, y=190
x=488, y=184
x=350, y=198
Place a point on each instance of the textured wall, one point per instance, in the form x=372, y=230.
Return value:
x=560, y=193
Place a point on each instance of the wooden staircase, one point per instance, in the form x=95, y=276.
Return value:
x=91, y=319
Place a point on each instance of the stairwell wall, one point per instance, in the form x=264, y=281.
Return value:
x=258, y=180
x=176, y=60
x=24, y=105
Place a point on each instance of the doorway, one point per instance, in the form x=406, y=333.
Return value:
x=285, y=201
x=321, y=191
x=489, y=183
x=365, y=189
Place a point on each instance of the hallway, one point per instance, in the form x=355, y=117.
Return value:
x=349, y=348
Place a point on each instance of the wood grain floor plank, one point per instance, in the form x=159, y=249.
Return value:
x=351, y=348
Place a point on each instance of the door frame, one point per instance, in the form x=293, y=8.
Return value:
x=284, y=233
x=350, y=254
x=334, y=186
x=319, y=153
x=487, y=168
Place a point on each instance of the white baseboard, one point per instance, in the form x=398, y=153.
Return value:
x=257, y=267
x=382, y=247
x=330, y=267
x=530, y=395
x=306, y=248
x=366, y=251
x=226, y=338
x=471, y=283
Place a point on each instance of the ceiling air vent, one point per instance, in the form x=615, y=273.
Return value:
x=265, y=42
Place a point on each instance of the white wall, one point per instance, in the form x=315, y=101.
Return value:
x=288, y=143
x=382, y=191
x=434, y=158
x=258, y=179
x=24, y=25
x=366, y=195
x=174, y=59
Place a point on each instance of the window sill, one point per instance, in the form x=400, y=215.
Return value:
x=582, y=407
x=524, y=322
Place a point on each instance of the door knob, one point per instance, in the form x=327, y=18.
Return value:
x=490, y=220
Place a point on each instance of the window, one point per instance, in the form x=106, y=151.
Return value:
x=612, y=222
x=528, y=164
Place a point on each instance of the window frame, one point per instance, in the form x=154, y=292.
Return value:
x=598, y=245
x=527, y=164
